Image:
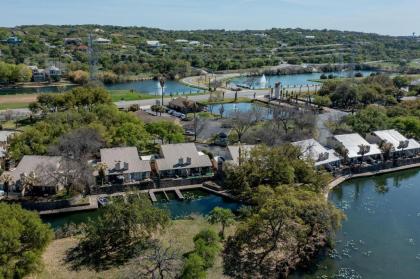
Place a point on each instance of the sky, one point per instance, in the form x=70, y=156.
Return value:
x=388, y=17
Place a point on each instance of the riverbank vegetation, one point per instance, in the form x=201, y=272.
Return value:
x=289, y=220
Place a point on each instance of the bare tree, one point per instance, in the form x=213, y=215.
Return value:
x=241, y=121
x=76, y=148
x=283, y=117
x=157, y=263
x=363, y=150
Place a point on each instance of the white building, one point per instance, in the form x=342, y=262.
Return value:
x=399, y=142
x=154, y=44
x=313, y=150
x=352, y=143
x=102, y=41
x=194, y=43
x=181, y=41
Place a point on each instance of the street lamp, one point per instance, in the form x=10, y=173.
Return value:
x=162, y=86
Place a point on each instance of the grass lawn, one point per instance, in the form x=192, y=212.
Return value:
x=180, y=234
x=126, y=95
x=13, y=106
x=228, y=100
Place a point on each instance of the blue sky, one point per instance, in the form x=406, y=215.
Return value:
x=392, y=17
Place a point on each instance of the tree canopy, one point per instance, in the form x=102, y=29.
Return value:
x=23, y=239
x=121, y=231
x=285, y=229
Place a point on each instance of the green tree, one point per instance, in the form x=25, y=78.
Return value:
x=23, y=239
x=288, y=226
x=132, y=134
x=224, y=216
x=166, y=131
x=122, y=230
x=194, y=268
x=372, y=118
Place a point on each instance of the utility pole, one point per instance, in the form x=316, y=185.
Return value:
x=162, y=85
x=92, y=58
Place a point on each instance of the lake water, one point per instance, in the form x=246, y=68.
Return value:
x=202, y=204
x=381, y=237
x=153, y=87
x=144, y=86
x=242, y=107
x=289, y=80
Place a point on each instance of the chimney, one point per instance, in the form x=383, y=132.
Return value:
x=118, y=166
x=125, y=165
x=181, y=161
x=188, y=160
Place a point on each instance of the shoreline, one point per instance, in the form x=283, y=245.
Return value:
x=340, y=179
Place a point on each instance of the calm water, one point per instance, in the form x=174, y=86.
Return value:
x=290, y=80
x=381, y=237
x=153, y=87
x=145, y=86
x=242, y=107
x=201, y=205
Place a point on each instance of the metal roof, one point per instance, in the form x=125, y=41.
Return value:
x=395, y=138
x=313, y=150
x=352, y=142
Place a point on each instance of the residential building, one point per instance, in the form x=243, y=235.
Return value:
x=414, y=83
x=185, y=105
x=181, y=41
x=72, y=41
x=43, y=171
x=400, y=144
x=313, y=150
x=5, y=136
x=182, y=160
x=153, y=44
x=38, y=75
x=194, y=43
x=351, y=144
x=102, y=41
x=13, y=40
x=54, y=73
x=124, y=166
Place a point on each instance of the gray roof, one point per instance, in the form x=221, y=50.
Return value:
x=40, y=165
x=123, y=160
x=395, y=138
x=234, y=151
x=415, y=82
x=352, y=141
x=313, y=150
x=175, y=156
x=4, y=135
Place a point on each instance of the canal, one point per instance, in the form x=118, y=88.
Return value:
x=197, y=202
x=381, y=237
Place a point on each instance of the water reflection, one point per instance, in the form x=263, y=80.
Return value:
x=380, y=238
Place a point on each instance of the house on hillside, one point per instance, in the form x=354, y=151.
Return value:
x=322, y=157
x=355, y=147
x=37, y=175
x=72, y=41
x=102, y=41
x=400, y=144
x=54, y=73
x=182, y=160
x=185, y=105
x=13, y=40
x=153, y=44
x=123, y=166
x=38, y=75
